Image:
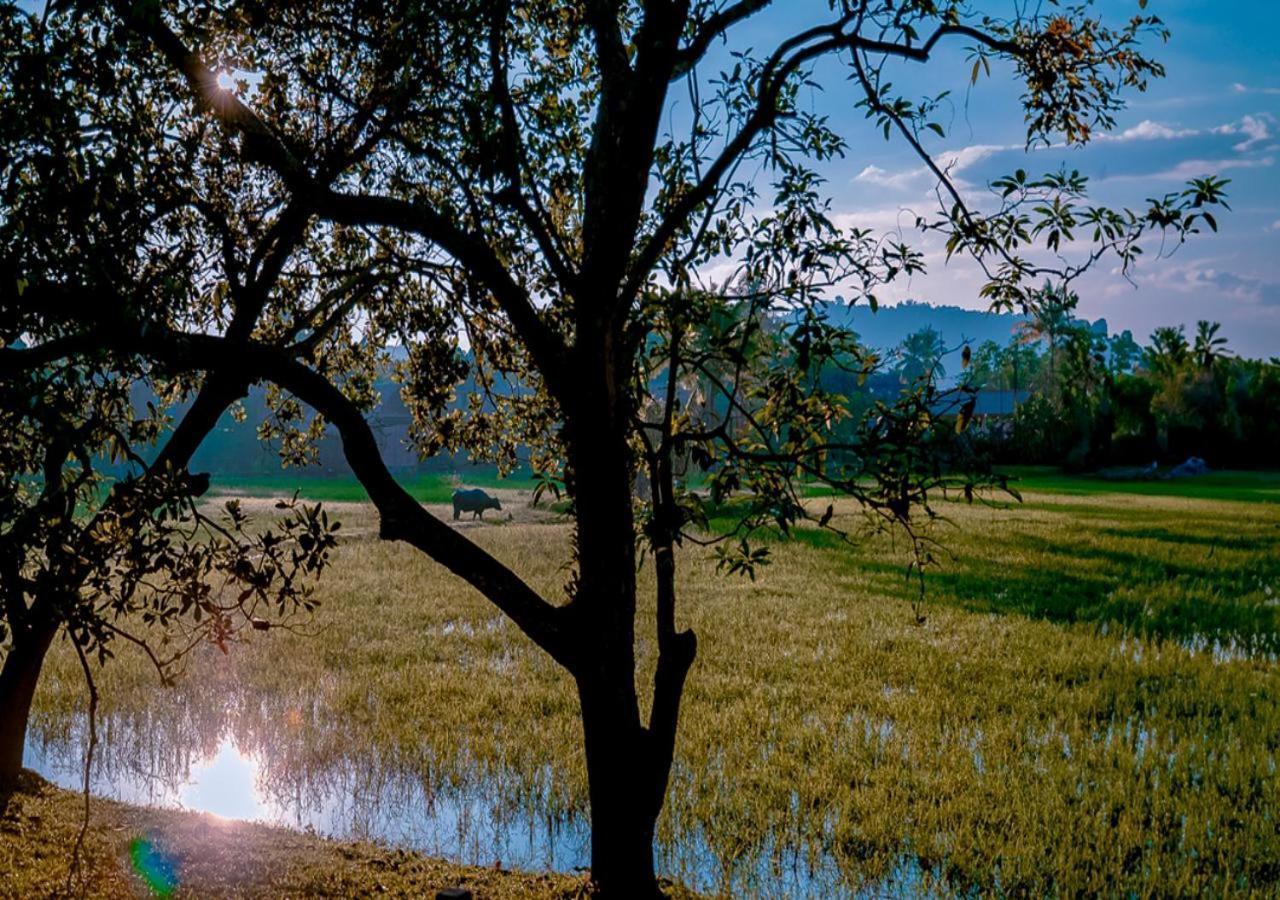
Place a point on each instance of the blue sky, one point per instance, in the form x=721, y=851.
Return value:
x=1216, y=112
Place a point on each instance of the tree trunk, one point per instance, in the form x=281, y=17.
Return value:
x=618, y=747
x=623, y=814
x=18, y=678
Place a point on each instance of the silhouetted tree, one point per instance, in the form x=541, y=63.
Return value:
x=1168, y=350
x=920, y=356
x=520, y=160
x=1123, y=353
x=1209, y=345
x=103, y=534
x=1052, y=309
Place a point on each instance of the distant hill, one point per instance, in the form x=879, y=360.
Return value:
x=886, y=328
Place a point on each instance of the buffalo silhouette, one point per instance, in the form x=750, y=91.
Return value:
x=474, y=501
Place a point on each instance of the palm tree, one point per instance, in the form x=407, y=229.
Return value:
x=1123, y=352
x=1169, y=350
x=919, y=354
x=1051, y=319
x=1209, y=348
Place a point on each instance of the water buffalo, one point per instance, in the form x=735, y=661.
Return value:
x=473, y=501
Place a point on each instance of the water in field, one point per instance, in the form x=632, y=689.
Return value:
x=356, y=800
x=147, y=761
x=232, y=775
x=1089, y=708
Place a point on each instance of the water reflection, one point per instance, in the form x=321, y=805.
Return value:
x=254, y=759
x=225, y=785
x=367, y=799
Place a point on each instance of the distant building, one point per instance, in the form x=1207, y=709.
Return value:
x=993, y=402
x=990, y=403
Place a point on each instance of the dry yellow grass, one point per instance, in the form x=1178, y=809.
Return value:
x=1090, y=707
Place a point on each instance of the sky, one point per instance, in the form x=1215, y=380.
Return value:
x=1216, y=112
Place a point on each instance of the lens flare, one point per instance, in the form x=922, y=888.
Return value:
x=157, y=869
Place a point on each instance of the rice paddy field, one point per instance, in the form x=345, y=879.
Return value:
x=1090, y=706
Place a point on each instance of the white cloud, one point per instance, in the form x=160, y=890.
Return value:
x=1212, y=284
x=884, y=178
x=952, y=162
x=1275, y=226
x=1253, y=128
x=1256, y=130
x=1246, y=89
x=1197, y=168
x=898, y=219
x=1147, y=130
x=717, y=275
x=956, y=161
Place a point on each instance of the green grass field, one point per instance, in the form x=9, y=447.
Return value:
x=1090, y=706
x=1246, y=487
x=431, y=487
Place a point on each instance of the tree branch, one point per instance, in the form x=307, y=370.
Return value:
x=715, y=26
x=512, y=148
x=264, y=145
x=784, y=62
x=545, y=346
x=402, y=517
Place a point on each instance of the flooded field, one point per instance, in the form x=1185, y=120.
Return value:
x=1097, y=667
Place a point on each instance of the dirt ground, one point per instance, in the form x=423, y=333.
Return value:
x=132, y=852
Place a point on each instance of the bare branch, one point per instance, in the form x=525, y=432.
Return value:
x=263, y=145
x=785, y=61
x=714, y=27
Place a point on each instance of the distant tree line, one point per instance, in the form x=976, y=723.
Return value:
x=1070, y=395
x=1061, y=391
x=1091, y=400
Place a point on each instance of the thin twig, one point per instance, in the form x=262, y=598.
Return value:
x=78, y=849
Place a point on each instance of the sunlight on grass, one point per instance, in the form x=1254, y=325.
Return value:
x=1090, y=706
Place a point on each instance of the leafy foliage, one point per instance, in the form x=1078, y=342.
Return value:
x=100, y=557
x=510, y=179
x=1086, y=401
x=103, y=232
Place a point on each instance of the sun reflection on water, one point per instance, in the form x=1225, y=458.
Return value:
x=271, y=768
x=226, y=785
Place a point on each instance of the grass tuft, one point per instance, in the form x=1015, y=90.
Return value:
x=1089, y=708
